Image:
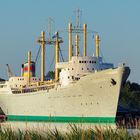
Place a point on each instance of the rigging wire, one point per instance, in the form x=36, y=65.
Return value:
x=61, y=54
x=37, y=54
x=51, y=63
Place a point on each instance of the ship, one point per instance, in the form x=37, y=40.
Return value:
x=85, y=89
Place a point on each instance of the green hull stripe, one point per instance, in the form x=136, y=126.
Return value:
x=62, y=119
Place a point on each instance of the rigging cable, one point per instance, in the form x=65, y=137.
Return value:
x=61, y=54
x=37, y=54
x=51, y=63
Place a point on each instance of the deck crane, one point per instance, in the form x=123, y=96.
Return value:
x=9, y=72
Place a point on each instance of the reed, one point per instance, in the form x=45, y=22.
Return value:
x=74, y=133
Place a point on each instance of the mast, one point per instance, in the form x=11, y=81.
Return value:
x=85, y=39
x=77, y=44
x=42, y=41
x=56, y=56
x=97, y=45
x=29, y=63
x=70, y=42
x=42, y=55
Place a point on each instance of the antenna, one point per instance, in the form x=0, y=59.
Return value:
x=78, y=18
x=50, y=21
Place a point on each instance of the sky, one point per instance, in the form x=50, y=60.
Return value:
x=116, y=21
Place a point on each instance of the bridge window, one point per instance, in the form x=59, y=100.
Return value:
x=93, y=61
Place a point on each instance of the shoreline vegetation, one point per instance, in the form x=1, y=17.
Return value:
x=74, y=133
x=128, y=112
x=130, y=96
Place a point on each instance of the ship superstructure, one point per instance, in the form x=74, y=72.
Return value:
x=85, y=89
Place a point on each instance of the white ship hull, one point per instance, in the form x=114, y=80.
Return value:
x=94, y=98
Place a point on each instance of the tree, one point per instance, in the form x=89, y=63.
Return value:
x=130, y=95
x=50, y=75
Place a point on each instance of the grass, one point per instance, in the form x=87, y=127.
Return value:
x=74, y=133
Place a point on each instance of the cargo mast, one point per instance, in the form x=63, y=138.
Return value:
x=55, y=40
